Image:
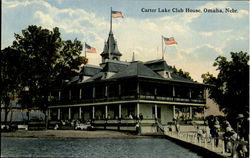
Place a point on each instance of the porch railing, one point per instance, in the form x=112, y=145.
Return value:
x=130, y=97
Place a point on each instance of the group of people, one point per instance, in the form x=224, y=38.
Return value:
x=211, y=131
x=214, y=126
x=128, y=117
x=235, y=141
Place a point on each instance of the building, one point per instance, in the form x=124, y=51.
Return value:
x=111, y=93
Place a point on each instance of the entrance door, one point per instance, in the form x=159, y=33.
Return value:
x=158, y=112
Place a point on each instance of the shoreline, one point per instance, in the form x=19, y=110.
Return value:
x=76, y=134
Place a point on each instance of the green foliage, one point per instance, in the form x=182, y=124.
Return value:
x=230, y=88
x=41, y=59
x=10, y=62
x=181, y=73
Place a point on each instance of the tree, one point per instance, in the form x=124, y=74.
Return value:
x=47, y=60
x=230, y=88
x=181, y=73
x=10, y=62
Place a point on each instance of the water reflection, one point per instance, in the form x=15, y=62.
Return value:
x=124, y=148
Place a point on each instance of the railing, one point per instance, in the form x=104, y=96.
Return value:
x=160, y=125
x=205, y=141
x=131, y=97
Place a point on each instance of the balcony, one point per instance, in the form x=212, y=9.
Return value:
x=130, y=97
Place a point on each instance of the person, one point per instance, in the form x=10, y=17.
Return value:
x=216, y=131
x=177, y=126
x=199, y=134
x=56, y=127
x=109, y=117
x=242, y=130
x=228, y=137
x=243, y=126
x=137, y=127
x=141, y=116
x=130, y=117
x=208, y=135
x=211, y=125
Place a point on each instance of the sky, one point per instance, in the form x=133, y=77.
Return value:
x=200, y=37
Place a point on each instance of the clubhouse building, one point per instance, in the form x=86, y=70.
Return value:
x=115, y=94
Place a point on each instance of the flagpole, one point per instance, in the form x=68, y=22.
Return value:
x=162, y=47
x=111, y=19
x=85, y=49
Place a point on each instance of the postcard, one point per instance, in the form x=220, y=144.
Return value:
x=142, y=74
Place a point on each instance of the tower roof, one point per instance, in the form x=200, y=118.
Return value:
x=110, y=46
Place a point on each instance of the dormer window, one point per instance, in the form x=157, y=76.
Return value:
x=167, y=75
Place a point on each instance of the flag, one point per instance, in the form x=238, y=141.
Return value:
x=117, y=14
x=169, y=41
x=90, y=49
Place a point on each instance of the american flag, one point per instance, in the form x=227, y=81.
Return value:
x=117, y=14
x=89, y=48
x=169, y=41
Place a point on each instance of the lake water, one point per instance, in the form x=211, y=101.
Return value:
x=93, y=148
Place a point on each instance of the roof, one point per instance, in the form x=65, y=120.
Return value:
x=180, y=78
x=136, y=69
x=90, y=70
x=110, y=66
x=158, y=65
x=114, y=66
x=97, y=76
x=110, y=46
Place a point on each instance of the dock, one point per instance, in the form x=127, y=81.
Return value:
x=205, y=146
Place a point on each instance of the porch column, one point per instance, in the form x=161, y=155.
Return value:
x=49, y=98
x=174, y=111
x=173, y=91
x=120, y=110
x=138, y=110
x=59, y=95
x=191, y=114
x=70, y=94
x=205, y=93
x=138, y=88
x=106, y=111
x=48, y=114
x=106, y=91
x=156, y=111
x=93, y=112
x=204, y=112
x=69, y=113
x=190, y=93
x=58, y=114
x=93, y=92
x=80, y=94
x=120, y=89
x=80, y=112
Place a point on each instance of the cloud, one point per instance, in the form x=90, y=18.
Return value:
x=14, y=4
x=206, y=33
x=196, y=44
x=240, y=14
x=45, y=18
x=226, y=31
